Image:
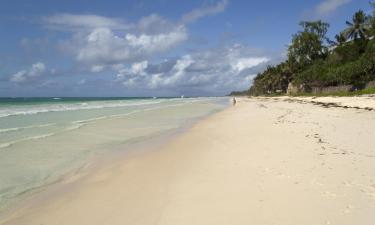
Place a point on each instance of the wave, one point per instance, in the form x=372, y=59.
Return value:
x=9, y=129
x=40, y=136
x=8, y=144
x=79, y=123
x=74, y=127
x=61, y=107
x=55, y=107
x=89, y=120
x=5, y=130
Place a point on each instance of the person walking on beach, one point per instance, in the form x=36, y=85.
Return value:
x=234, y=101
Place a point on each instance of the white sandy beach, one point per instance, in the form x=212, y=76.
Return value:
x=266, y=161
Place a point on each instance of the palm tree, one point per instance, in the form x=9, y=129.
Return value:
x=358, y=27
x=340, y=38
x=372, y=20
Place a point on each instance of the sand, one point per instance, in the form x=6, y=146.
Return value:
x=265, y=161
x=358, y=102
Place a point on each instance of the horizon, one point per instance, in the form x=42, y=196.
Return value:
x=142, y=49
x=109, y=97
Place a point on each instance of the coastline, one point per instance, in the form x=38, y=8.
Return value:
x=76, y=149
x=265, y=161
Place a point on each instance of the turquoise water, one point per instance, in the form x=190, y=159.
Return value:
x=42, y=139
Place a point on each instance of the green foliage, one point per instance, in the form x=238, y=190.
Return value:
x=340, y=39
x=239, y=93
x=308, y=44
x=355, y=70
x=346, y=52
x=274, y=79
x=313, y=74
x=318, y=28
x=359, y=26
x=313, y=64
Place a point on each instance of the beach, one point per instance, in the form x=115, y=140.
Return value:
x=281, y=161
x=43, y=140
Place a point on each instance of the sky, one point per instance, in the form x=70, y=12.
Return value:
x=98, y=48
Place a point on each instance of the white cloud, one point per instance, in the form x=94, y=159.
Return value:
x=217, y=71
x=327, y=7
x=104, y=47
x=177, y=73
x=204, y=11
x=97, y=68
x=36, y=70
x=139, y=68
x=136, y=69
x=76, y=22
x=99, y=43
x=158, y=42
x=244, y=63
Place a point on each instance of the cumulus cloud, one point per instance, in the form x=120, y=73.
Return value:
x=213, y=71
x=136, y=69
x=139, y=68
x=132, y=50
x=76, y=22
x=35, y=71
x=102, y=47
x=97, y=68
x=327, y=7
x=244, y=63
x=204, y=11
x=99, y=43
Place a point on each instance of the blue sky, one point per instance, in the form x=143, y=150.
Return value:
x=149, y=48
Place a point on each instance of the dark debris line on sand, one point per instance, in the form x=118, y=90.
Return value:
x=329, y=104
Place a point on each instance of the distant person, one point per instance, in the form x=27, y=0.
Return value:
x=234, y=101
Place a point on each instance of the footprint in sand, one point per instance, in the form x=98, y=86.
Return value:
x=284, y=176
x=348, y=183
x=262, y=106
x=348, y=209
x=330, y=194
x=371, y=194
x=315, y=182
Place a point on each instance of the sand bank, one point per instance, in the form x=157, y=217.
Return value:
x=265, y=161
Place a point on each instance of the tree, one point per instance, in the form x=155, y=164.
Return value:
x=358, y=27
x=340, y=39
x=311, y=64
x=315, y=27
x=309, y=44
x=372, y=20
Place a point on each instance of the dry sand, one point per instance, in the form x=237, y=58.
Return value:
x=263, y=162
x=358, y=102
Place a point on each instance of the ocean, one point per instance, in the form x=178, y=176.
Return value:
x=42, y=139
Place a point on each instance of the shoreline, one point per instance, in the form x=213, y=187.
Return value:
x=116, y=153
x=261, y=162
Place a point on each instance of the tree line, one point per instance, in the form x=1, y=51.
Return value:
x=316, y=61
